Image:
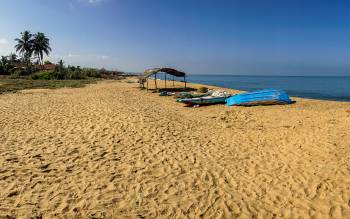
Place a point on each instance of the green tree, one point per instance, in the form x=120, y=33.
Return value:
x=12, y=58
x=61, y=70
x=25, y=46
x=47, y=62
x=61, y=65
x=3, y=63
x=41, y=45
x=6, y=67
x=3, y=60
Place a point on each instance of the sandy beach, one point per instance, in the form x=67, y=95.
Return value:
x=111, y=150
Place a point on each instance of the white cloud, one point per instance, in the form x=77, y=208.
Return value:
x=91, y=1
x=3, y=41
x=73, y=5
x=95, y=1
x=104, y=57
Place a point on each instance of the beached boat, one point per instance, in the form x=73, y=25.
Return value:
x=260, y=97
x=212, y=97
x=184, y=95
x=208, y=100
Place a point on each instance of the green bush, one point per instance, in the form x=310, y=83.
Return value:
x=68, y=73
x=46, y=75
x=75, y=74
x=92, y=73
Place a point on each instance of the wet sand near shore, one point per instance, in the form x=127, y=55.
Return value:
x=112, y=150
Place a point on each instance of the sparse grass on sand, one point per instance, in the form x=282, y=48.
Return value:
x=14, y=85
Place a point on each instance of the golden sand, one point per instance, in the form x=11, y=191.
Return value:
x=112, y=150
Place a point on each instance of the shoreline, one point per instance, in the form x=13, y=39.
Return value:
x=236, y=91
x=305, y=90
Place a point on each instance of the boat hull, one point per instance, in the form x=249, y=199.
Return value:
x=260, y=97
x=203, y=100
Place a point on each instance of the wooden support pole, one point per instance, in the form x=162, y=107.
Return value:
x=165, y=80
x=155, y=80
x=147, y=83
x=185, y=81
x=173, y=82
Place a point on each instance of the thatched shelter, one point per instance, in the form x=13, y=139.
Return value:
x=170, y=71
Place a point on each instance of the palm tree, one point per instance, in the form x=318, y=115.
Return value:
x=41, y=45
x=13, y=58
x=25, y=45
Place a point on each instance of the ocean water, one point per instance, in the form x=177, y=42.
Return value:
x=315, y=87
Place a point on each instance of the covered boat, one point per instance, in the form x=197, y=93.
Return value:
x=260, y=97
x=184, y=95
x=208, y=100
x=212, y=97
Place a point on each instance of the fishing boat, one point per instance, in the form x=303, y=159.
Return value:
x=212, y=97
x=260, y=97
x=184, y=95
x=208, y=100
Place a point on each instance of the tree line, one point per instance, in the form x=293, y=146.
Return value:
x=31, y=49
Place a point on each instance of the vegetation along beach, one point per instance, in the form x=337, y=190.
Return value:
x=174, y=109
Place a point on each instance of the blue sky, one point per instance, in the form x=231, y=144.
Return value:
x=270, y=37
